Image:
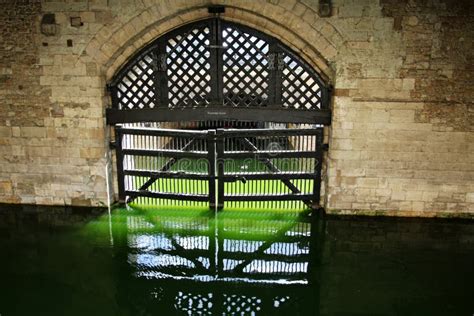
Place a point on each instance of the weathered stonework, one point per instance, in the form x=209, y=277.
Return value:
x=402, y=138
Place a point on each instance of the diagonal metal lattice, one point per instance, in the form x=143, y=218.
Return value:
x=215, y=63
x=136, y=89
x=300, y=88
x=246, y=73
x=188, y=68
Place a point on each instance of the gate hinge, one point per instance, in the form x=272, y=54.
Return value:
x=325, y=147
x=113, y=145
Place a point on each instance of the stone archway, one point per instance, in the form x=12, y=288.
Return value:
x=116, y=43
x=212, y=67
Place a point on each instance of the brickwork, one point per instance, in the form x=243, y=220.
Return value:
x=401, y=142
x=51, y=114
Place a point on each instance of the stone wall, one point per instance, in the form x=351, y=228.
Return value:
x=51, y=115
x=403, y=134
x=401, y=142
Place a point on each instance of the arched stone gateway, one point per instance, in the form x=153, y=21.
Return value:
x=253, y=111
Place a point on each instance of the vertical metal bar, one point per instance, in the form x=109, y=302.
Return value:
x=276, y=74
x=211, y=157
x=161, y=78
x=219, y=62
x=220, y=136
x=317, y=169
x=326, y=94
x=113, y=91
x=119, y=156
x=215, y=61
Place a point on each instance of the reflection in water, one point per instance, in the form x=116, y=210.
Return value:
x=193, y=262
x=232, y=262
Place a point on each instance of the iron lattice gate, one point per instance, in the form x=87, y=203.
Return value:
x=218, y=70
x=275, y=168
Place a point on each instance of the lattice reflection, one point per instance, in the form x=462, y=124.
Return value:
x=201, y=262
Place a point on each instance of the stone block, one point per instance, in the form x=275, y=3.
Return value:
x=33, y=132
x=5, y=131
x=470, y=197
x=368, y=182
x=344, y=155
x=6, y=187
x=93, y=153
x=88, y=17
x=398, y=195
x=429, y=196
x=404, y=116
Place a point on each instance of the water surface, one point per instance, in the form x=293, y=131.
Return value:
x=57, y=261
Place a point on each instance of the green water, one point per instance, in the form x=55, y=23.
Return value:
x=188, y=261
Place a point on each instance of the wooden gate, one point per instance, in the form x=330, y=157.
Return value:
x=275, y=168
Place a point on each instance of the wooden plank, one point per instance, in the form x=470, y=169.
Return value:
x=240, y=176
x=247, y=143
x=211, y=148
x=268, y=197
x=169, y=196
x=270, y=132
x=115, y=116
x=119, y=158
x=163, y=132
x=168, y=175
x=264, y=154
x=166, y=167
x=220, y=169
x=165, y=153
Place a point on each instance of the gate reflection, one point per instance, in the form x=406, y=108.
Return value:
x=232, y=262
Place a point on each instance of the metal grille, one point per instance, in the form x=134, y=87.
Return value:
x=136, y=88
x=301, y=89
x=245, y=68
x=217, y=69
x=188, y=68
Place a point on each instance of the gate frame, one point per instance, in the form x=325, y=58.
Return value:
x=216, y=155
